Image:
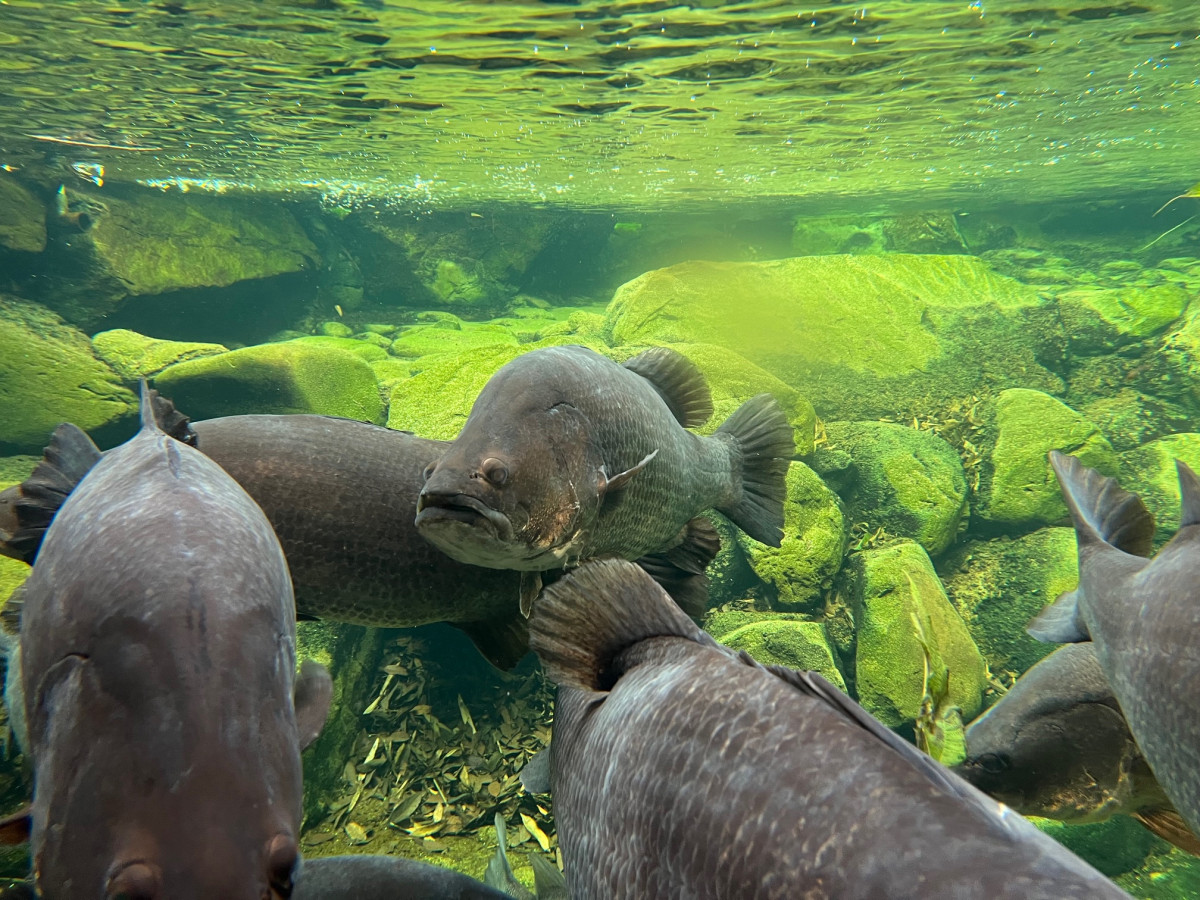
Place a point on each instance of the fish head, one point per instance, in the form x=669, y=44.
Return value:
x=516, y=487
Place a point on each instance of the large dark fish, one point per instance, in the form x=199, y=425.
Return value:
x=567, y=455
x=157, y=656
x=682, y=769
x=367, y=877
x=1057, y=746
x=1143, y=615
x=341, y=496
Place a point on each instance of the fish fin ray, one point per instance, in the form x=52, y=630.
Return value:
x=678, y=381
x=172, y=422
x=67, y=459
x=1170, y=826
x=609, y=486
x=312, y=696
x=15, y=828
x=502, y=641
x=582, y=621
x=548, y=879
x=1101, y=510
x=760, y=430
x=1060, y=622
x=1189, y=495
x=535, y=774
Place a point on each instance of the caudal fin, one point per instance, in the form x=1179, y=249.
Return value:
x=582, y=621
x=68, y=458
x=761, y=431
x=1103, y=513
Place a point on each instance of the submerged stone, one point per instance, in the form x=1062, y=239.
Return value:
x=895, y=595
x=288, y=377
x=909, y=481
x=49, y=375
x=1017, y=486
x=1115, y=846
x=135, y=356
x=335, y=329
x=22, y=217
x=1149, y=471
x=1102, y=319
x=425, y=340
x=814, y=539
x=361, y=349
x=794, y=644
x=435, y=401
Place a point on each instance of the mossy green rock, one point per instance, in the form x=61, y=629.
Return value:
x=999, y=585
x=22, y=217
x=288, y=377
x=335, y=329
x=1102, y=319
x=390, y=372
x=376, y=340
x=436, y=400
x=1115, y=846
x=48, y=375
x=796, y=645
x=814, y=539
x=867, y=336
x=1166, y=874
x=135, y=356
x=1017, y=486
x=361, y=349
x=910, y=482
x=425, y=340
x=891, y=589
x=1149, y=471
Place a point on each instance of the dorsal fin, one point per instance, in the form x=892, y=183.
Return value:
x=67, y=459
x=1101, y=509
x=678, y=381
x=174, y=423
x=146, y=407
x=585, y=619
x=1189, y=495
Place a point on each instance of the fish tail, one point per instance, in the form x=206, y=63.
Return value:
x=761, y=431
x=585, y=619
x=69, y=456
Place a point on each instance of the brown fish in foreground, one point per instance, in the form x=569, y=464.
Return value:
x=341, y=496
x=567, y=456
x=1143, y=616
x=733, y=780
x=157, y=657
x=1057, y=746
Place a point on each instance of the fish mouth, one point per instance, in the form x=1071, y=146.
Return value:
x=435, y=511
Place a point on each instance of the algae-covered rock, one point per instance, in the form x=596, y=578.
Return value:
x=1102, y=319
x=335, y=329
x=909, y=481
x=390, y=372
x=864, y=336
x=135, y=356
x=288, y=377
x=999, y=585
x=374, y=339
x=425, y=340
x=794, y=644
x=895, y=596
x=48, y=375
x=361, y=349
x=435, y=401
x=22, y=217
x=1166, y=874
x=1115, y=846
x=1149, y=471
x=1017, y=486
x=730, y=578
x=1130, y=418
x=814, y=539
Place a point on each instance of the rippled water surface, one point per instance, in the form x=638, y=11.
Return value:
x=597, y=104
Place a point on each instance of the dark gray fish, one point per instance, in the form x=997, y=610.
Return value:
x=158, y=663
x=1143, y=616
x=367, y=877
x=733, y=780
x=567, y=455
x=1057, y=746
x=341, y=496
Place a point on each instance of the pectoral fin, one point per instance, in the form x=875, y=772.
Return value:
x=1060, y=622
x=1169, y=826
x=608, y=485
x=531, y=586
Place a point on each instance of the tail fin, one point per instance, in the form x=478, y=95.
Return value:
x=680, y=570
x=582, y=621
x=499, y=873
x=1103, y=513
x=761, y=431
x=68, y=458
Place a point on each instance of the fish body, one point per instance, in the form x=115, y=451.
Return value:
x=567, y=455
x=682, y=769
x=157, y=659
x=367, y=877
x=1143, y=616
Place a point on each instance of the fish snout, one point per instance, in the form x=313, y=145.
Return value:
x=136, y=880
x=438, y=508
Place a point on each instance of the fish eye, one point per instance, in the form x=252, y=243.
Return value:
x=993, y=763
x=494, y=471
x=281, y=864
x=428, y=471
x=136, y=881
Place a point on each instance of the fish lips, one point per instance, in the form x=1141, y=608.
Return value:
x=439, y=513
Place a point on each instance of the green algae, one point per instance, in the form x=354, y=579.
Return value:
x=793, y=644
x=135, y=356
x=426, y=340
x=22, y=217
x=1099, y=320
x=362, y=349
x=1150, y=473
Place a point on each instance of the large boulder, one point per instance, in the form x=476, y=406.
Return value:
x=134, y=356
x=1017, y=487
x=48, y=375
x=999, y=585
x=909, y=481
x=22, y=217
x=794, y=644
x=895, y=599
x=287, y=377
x=863, y=336
x=814, y=538
x=1099, y=320
x=1149, y=471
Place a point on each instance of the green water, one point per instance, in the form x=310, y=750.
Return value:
x=931, y=229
